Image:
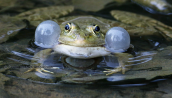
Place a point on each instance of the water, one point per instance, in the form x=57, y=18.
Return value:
x=148, y=71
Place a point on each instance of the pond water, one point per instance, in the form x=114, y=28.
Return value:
x=148, y=67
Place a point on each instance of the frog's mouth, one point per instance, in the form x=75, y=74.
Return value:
x=81, y=42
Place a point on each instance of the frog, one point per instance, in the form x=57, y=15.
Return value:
x=134, y=27
x=82, y=38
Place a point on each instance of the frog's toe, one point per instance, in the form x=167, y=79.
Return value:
x=29, y=70
x=41, y=70
x=112, y=71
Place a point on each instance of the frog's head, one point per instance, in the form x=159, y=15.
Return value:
x=83, y=31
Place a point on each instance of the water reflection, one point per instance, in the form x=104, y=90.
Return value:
x=60, y=68
x=140, y=58
x=21, y=58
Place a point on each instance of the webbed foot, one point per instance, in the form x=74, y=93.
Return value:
x=123, y=61
x=41, y=70
x=37, y=62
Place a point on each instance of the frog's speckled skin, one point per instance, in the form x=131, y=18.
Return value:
x=82, y=32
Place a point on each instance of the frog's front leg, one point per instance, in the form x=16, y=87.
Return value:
x=122, y=60
x=38, y=60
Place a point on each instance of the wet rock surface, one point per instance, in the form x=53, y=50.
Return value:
x=156, y=6
x=17, y=6
x=11, y=27
x=19, y=88
x=166, y=88
x=3, y=80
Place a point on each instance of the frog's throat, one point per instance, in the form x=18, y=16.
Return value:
x=81, y=52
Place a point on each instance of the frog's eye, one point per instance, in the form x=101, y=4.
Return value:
x=96, y=28
x=68, y=26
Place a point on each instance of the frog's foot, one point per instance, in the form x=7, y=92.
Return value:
x=118, y=69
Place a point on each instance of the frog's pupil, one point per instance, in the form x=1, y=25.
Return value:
x=97, y=28
x=67, y=27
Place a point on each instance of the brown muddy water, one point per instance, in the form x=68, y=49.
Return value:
x=149, y=73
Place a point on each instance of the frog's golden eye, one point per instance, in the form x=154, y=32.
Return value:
x=68, y=27
x=96, y=28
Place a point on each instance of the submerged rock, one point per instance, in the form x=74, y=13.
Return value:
x=155, y=6
x=15, y=5
x=10, y=27
x=3, y=78
x=150, y=65
x=3, y=94
x=97, y=5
